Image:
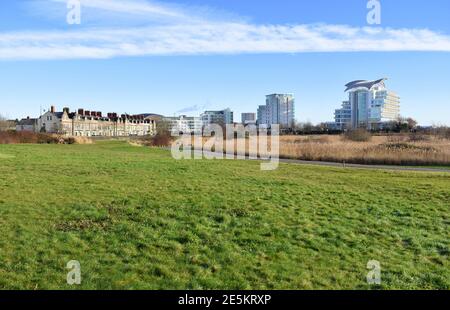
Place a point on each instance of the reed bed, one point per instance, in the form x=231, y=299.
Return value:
x=386, y=150
x=380, y=150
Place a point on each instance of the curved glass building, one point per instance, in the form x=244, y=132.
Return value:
x=370, y=105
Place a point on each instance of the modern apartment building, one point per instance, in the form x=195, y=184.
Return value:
x=248, y=118
x=279, y=109
x=222, y=117
x=370, y=105
x=91, y=124
x=343, y=116
x=262, y=116
x=185, y=124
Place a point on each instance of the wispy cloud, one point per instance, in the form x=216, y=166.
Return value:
x=194, y=108
x=134, y=7
x=194, y=36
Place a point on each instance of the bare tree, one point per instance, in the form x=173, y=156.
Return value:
x=412, y=123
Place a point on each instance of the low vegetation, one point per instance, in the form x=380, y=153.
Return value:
x=360, y=147
x=358, y=135
x=357, y=147
x=14, y=137
x=137, y=219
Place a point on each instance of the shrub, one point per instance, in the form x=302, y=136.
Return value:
x=163, y=135
x=417, y=137
x=13, y=137
x=19, y=137
x=43, y=138
x=358, y=135
x=442, y=132
x=162, y=138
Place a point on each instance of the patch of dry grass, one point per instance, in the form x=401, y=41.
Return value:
x=83, y=140
x=392, y=150
x=383, y=150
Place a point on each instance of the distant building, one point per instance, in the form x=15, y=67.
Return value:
x=222, y=117
x=248, y=118
x=92, y=124
x=8, y=125
x=262, y=115
x=371, y=104
x=343, y=117
x=279, y=109
x=185, y=124
x=27, y=124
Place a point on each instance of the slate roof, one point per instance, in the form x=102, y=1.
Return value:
x=27, y=122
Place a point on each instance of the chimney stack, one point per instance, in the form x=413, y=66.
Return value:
x=81, y=111
x=52, y=109
x=67, y=110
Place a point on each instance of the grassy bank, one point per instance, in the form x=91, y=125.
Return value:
x=135, y=218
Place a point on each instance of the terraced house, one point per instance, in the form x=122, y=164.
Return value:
x=94, y=124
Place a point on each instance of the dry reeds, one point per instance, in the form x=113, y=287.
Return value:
x=22, y=137
x=380, y=150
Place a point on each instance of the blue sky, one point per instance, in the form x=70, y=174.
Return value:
x=186, y=56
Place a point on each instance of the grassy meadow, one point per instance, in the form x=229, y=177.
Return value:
x=137, y=219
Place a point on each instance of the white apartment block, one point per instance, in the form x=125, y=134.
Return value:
x=222, y=117
x=185, y=124
x=343, y=116
x=279, y=109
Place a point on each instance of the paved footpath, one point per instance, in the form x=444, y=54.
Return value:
x=359, y=166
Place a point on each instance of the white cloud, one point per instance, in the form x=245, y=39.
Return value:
x=195, y=36
x=135, y=7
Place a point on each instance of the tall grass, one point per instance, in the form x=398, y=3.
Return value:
x=390, y=150
x=384, y=150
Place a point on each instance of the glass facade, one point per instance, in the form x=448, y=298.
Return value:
x=370, y=108
x=279, y=109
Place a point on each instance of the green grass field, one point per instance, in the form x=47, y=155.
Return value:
x=137, y=219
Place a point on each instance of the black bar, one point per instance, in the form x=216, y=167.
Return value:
x=263, y=299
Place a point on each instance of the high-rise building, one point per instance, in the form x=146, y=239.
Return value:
x=371, y=104
x=222, y=117
x=279, y=109
x=248, y=118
